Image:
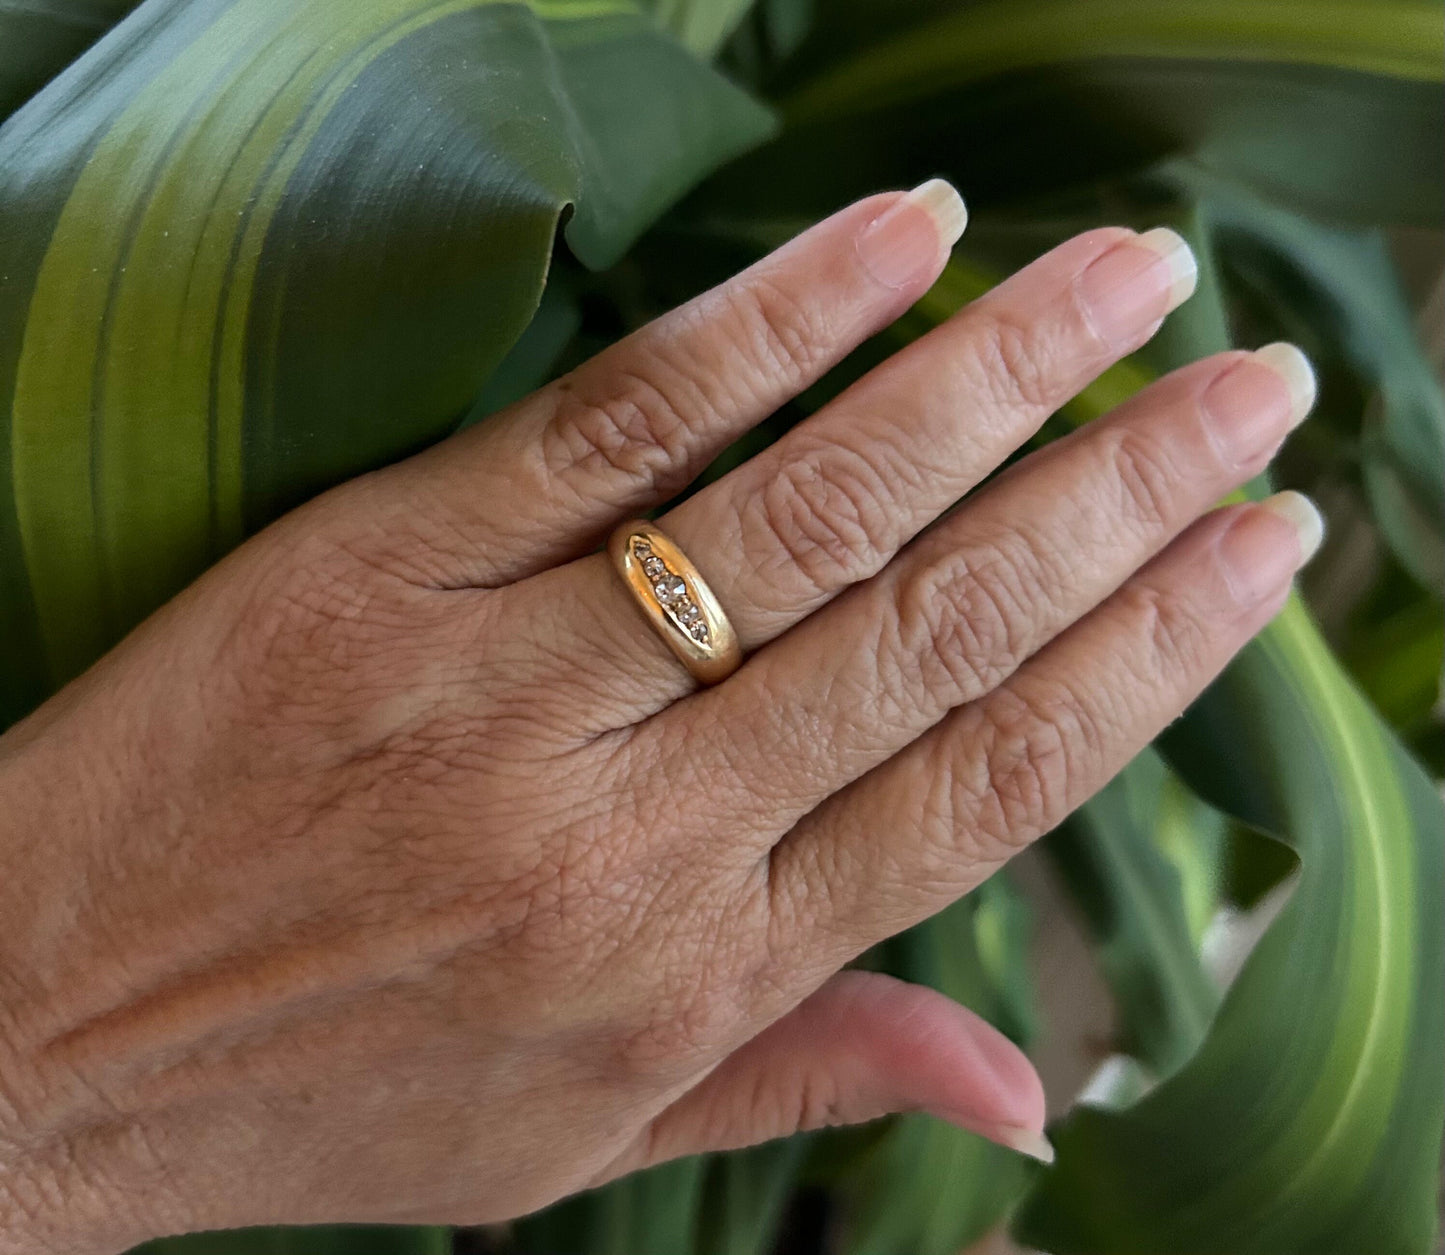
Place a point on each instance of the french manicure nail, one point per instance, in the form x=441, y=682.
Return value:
x=1178, y=257
x=905, y=243
x=1254, y=561
x=1302, y=513
x=1028, y=1142
x=1299, y=376
x=1132, y=286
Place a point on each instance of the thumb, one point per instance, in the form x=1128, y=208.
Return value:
x=863, y=1046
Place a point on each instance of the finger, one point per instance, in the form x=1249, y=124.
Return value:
x=830, y=503
x=927, y=826
x=864, y=1045
x=962, y=608
x=538, y=483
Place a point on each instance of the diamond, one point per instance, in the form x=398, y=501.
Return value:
x=641, y=548
x=654, y=566
x=669, y=588
x=688, y=612
x=699, y=631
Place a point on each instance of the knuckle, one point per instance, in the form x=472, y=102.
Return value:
x=1148, y=485
x=687, y=1019
x=1015, y=363
x=1175, y=639
x=782, y=336
x=826, y=516
x=636, y=430
x=965, y=621
x=1031, y=742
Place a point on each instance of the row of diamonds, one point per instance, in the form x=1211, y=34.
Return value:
x=670, y=589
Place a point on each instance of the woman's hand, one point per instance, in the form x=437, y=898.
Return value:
x=396, y=871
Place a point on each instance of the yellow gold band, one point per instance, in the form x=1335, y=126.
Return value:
x=676, y=601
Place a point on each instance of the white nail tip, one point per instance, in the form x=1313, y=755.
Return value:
x=1026, y=1141
x=1304, y=516
x=1179, y=257
x=941, y=201
x=1299, y=376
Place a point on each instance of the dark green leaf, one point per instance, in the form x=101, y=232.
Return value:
x=926, y=1187
x=329, y=1240
x=253, y=247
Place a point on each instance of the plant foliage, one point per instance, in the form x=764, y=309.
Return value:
x=249, y=248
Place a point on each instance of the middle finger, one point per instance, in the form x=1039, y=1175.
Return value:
x=961, y=609
x=829, y=504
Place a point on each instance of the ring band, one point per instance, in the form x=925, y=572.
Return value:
x=676, y=601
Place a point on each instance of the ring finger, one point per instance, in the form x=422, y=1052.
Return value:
x=829, y=504
x=959, y=611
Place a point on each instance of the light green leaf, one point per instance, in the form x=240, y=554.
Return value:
x=1310, y=1120
x=702, y=25
x=253, y=247
x=1114, y=854
x=39, y=38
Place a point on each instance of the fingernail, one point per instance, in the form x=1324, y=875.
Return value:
x=1247, y=413
x=1028, y=1142
x=1131, y=287
x=1257, y=559
x=1304, y=516
x=904, y=244
x=1299, y=376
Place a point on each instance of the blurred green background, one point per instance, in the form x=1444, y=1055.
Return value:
x=249, y=248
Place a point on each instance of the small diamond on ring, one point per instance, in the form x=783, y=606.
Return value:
x=654, y=566
x=669, y=589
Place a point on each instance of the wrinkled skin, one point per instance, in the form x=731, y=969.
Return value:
x=396, y=871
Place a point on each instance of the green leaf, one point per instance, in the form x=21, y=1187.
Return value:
x=1310, y=1120
x=253, y=247
x=926, y=1187
x=326, y=1240
x=1347, y=282
x=745, y=1196
x=1115, y=856
x=39, y=38
x=1020, y=99
x=649, y=1213
x=702, y=25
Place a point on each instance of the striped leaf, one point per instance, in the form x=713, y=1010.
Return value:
x=1309, y=1118
x=253, y=247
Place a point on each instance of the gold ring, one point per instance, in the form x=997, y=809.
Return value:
x=676, y=601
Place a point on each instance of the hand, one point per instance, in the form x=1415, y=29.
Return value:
x=396, y=871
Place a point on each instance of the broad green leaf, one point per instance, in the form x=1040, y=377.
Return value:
x=649, y=1213
x=1310, y=1120
x=1114, y=855
x=702, y=25
x=39, y=38
x=1347, y=282
x=253, y=247
x=745, y=1195
x=1020, y=99
x=327, y=1240
x=926, y=1187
